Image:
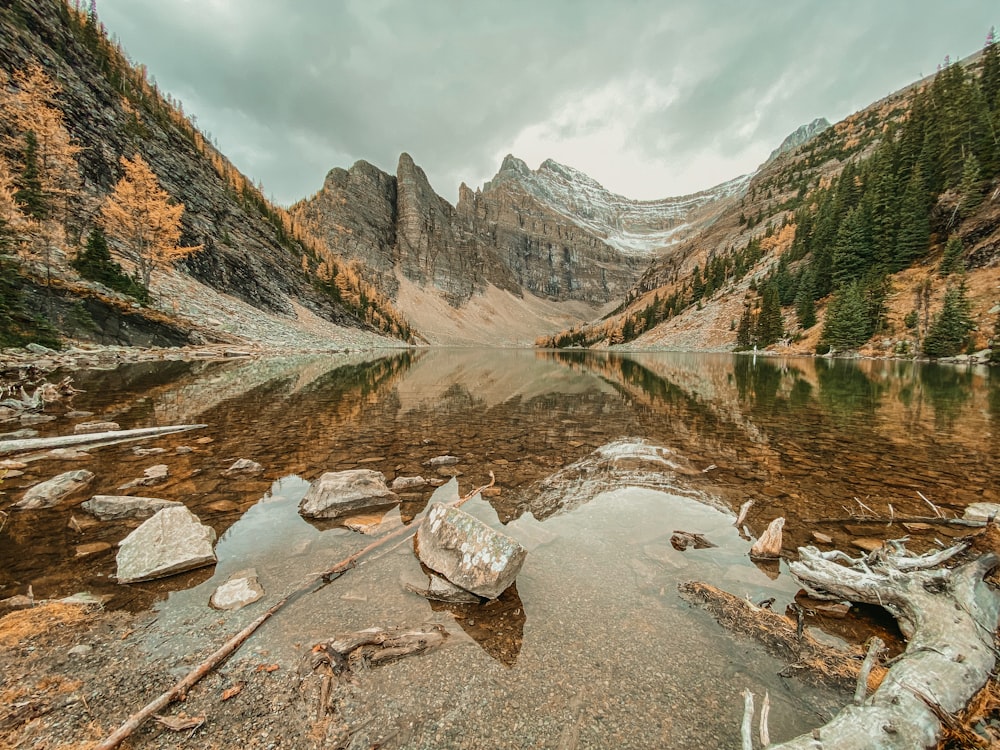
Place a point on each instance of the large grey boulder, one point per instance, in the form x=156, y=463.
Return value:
x=110, y=507
x=170, y=542
x=467, y=552
x=52, y=492
x=341, y=493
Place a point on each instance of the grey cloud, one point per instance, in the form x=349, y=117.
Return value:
x=453, y=82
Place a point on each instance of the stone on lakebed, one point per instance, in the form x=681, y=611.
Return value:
x=55, y=490
x=341, y=493
x=467, y=552
x=170, y=542
x=108, y=507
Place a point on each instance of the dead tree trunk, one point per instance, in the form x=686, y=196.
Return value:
x=949, y=617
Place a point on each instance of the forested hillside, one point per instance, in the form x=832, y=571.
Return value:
x=85, y=131
x=894, y=207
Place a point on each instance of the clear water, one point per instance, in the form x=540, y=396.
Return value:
x=593, y=647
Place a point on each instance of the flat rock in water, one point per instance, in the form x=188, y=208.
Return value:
x=68, y=454
x=821, y=538
x=442, y=461
x=982, y=512
x=244, y=466
x=467, y=552
x=172, y=541
x=107, y=507
x=239, y=590
x=153, y=475
x=376, y=522
x=87, y=427
x=148, y=451
x=341, y=493
x=55, y=490
x=19, y=434
x=407, y=483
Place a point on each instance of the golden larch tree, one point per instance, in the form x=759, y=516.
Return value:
x=140, y=215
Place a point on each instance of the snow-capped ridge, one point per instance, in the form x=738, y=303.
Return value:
x=632, y=226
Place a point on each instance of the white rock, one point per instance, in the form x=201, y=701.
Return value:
x=239, y=590
x=172, y=541
x=244, y=466
x=467, y=552
x=442, y=461
x=55, y=490
x=982, y=512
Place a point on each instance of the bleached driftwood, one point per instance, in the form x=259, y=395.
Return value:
x=89, y=438
x=768, y=547
x=949, y=618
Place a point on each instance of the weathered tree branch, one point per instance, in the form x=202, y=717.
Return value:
x=90, y=438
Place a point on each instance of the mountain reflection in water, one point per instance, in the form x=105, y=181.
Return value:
x=593, y=631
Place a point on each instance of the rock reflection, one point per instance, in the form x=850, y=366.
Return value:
x=497, y=625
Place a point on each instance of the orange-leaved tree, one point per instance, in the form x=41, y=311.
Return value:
x=140, y=215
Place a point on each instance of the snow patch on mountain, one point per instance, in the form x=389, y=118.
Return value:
x=632, y=227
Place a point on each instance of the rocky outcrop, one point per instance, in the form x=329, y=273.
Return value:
x=503, y=236
x=114, y=507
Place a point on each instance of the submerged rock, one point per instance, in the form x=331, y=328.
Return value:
x=244, y=466
x=170, y=542
x=108, y=507
x=88, y=427
x=55, y=490
x=407, y=483
x=239, y=590
x=153, y=475
x=467, y=552
x=340, y=493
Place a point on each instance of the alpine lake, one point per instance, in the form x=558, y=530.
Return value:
x=593, y=646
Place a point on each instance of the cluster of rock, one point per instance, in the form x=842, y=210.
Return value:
x=474, y=559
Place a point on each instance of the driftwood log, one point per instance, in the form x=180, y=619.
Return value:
x=781, y=636
x=90, y=438
x=949, y=617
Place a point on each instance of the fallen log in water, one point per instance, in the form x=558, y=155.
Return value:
x=780, y=635
x=949, y=617
x=90, y=438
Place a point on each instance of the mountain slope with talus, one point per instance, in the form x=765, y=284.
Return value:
x=250, y=253
x=879, y=234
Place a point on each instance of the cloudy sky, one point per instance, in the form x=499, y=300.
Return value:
x=652, y=98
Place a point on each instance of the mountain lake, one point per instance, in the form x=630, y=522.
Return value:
x=598, y=458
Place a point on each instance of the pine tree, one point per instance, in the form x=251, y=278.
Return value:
x=952, y=261
x=743, y=331
x=971, y=186
x=139, y=214
x=805, y=304
x=29, y=184
x=846, y=325
x=950, y=329
x=853, y=255
x=769, y=323
x=990, y=79
x=914, y=236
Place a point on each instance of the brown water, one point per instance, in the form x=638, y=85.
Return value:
x=593, y=645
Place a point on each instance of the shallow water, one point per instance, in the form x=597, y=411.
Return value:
x=593, y=645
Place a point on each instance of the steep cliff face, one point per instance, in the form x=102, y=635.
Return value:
x=553, y=233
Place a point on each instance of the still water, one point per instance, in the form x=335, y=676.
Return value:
x=592, y=647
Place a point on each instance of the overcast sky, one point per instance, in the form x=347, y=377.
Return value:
x=651, y=98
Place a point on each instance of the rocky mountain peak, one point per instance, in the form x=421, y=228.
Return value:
x=799, y=136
